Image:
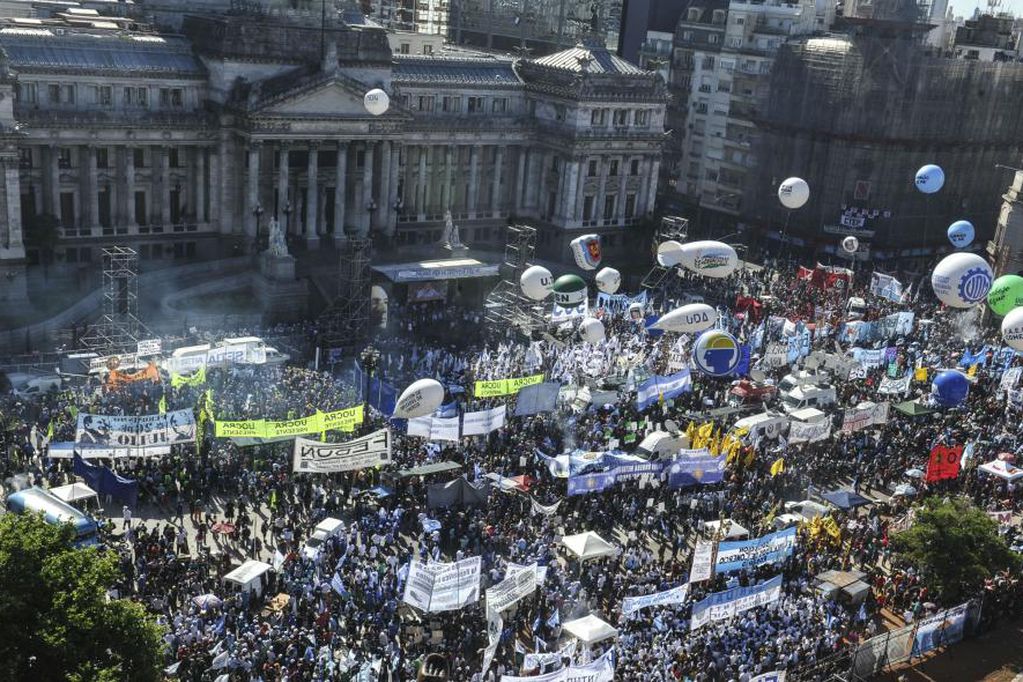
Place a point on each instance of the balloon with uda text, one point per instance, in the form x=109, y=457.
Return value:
x=421, y=398
x=537, y=282
x=961, y=279
x=689, y=319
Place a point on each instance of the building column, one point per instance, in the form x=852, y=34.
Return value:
x=421, y=192
x=495, y=192
x=165, y=216
x=284, y=207
x=339, y=191
x=474, y=181
x=623, y=176
x=53, y=168
x=655, y=170
x=449, y=169
x=200, y=185
x=252, y=205
x=541, y=191
x=383, y=217
x=598, y=201
x=570, y=189
x=222, y=191
x=92, y=200
x=83, y=214
x=127, y=164
x=520, y=181
x=312, y=196
x=366, y=219
x=580, y=193
x=12, y=244
x=392, y=191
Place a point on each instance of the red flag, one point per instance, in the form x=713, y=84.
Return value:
x=944, y=463
x=804, y=273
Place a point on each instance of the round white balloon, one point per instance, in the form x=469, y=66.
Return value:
x=961, y=280
x=850, y=244
x=421, y=398
x=1012, y=328
x=376, y=102
x=591, y=330
x=710, y=258
x=689, y=319
x=793, y=193
x=930, y=178
x=669, y=253
x=608, y=280
x=537, y=282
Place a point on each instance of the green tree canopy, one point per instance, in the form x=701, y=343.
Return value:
x=955, y=546
x=56, y=622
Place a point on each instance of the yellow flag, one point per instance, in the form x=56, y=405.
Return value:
x=831, y=527
x=163, y=404
x=778, y=466
x=972, y=371
x=920, y=374
x=691, y=433
x=703, y=435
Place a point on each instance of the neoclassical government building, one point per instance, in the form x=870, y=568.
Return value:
x=178, y=145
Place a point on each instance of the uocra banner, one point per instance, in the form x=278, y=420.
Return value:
x=314, y=457
x=136, y=431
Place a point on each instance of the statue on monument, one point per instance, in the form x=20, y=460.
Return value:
x=276, y=244
x=449, y=237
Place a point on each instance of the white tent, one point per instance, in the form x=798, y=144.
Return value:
x=589, y=629
x=588, y=545
x=73, y=492
x=732, y=531
x=1005, y=470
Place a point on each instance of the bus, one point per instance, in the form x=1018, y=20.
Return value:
x=55, y=511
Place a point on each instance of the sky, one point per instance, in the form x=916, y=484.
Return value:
x=964, y=8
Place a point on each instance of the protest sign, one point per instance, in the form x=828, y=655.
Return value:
x=138, y=431
x=745, y=554
x=724, y=605
x=676, y=595
x=437, y=586
x=313, y=457
x=484, y=421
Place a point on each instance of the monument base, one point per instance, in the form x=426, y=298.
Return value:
x=13, y=284
x=454, y=251
x=281, y=297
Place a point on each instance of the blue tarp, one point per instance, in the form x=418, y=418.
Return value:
x=106, y=482
x=844, y=499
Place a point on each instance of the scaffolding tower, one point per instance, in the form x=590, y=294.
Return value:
x=344, y=325
x=672, y=227
x=506, y=306
x=119, y=328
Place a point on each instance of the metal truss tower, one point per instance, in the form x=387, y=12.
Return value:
x=118, y=329
x=506, y=306
x=672, y=227
x=345, y=323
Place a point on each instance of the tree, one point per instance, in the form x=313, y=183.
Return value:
x=955, y=546
x=56, y=622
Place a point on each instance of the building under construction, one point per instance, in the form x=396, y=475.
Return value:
x=857, y=114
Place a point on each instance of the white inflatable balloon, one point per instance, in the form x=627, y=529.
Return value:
x=421, y=398
x=961, y=280
x=586, y=250
x=689, y=319
x=608, y=280
x=930, y=178
x=669, y=253
x=1012, y=328
x=850, y=244
x=591, y=330
x=537, y=282
x=376, y=102
x=710, y=258
x=793, y=193
x=635, y=311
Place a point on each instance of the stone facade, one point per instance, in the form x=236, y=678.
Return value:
x=186, y=146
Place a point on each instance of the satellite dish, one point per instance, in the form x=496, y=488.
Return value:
x=670, y=426
x=757, y=376
x=812, y=363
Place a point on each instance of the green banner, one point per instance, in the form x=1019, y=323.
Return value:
x=253, y=428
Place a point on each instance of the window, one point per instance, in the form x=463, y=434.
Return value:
x=499, y=105
x=426, y=103
x=404, y=48
x=740, y=21
x=613, y=168
x=173, y=158
x=694, y=15
x=734, y=41
x=27, y=93
x=102, y=158
x=140, y=211
x=598, y=117
x=588, y=207
x=171, y=98
x=67, y=94
x=53, y=93
x=687, y=36
x=427, y=49
x=630, y=205
x=138, y=155
x=360, y=158
x=713, y=38
x=591, y=168
x=25, y=157
x=708, y=64
x=451, y=105
x=559, y=112
x=621, y=117
x=634, y=167
x=476, y=105
x=609, y=206
x=136, y=97
x=642, y=117
x=63, y=157
x=719, y=16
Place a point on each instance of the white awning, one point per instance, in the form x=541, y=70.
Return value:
x=73, y=492
x=590, y=629
x=433, y=270
x=1005, y=470
x=588, y=545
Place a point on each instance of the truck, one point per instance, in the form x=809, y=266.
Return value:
x=808, y=395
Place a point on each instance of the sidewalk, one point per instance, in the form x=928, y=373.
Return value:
x=993, y=657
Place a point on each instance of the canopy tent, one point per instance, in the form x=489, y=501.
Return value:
x=589, y=629
x=435, y=270
x=843, y=499
x=455, y=493
x=808, y=509
x=73, y=492
x=510, y=484
x=588, y=545
x=913, y=408
x=1002, y=469
x=427, y=469
x=732, y=530
x=786, y=520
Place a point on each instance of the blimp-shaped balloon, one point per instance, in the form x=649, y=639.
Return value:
x=930, y=179
x=709, y=258
x=569, y=290
x=950, y=388
x=591, y=330
x=961, y=233
x=689, y=319
x=961, y=280
x=1006, y=294
x=850, y=244
x=586, y=250
x=1012, y=329
x=376, y=102
x=608, y=280
x=669, y=253
x=793, y=193
x=537, y=282
x=421, y=398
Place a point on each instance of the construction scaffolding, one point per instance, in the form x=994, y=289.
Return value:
x=119, y=328
x=344, y=325
x=506, y=306
x=672, y=227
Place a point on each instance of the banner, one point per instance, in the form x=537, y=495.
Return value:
x=437, y=586
x=515, y=587
x=563, y=313
x=699, y=470
x=864, y=416
x=68, y=450
x=537, y=398
x=197, y=378
x=483, y=422
x=495, y=626
x=342, y=420
x=252, y=428
x=1010, y=378
x=499, y=387
x=944, y=463
x=890, y=386
x=148, y=347
x=744, y=554
x=141, y=431
x=314, y=457
x=105, y=482
x=676, y=595
x=657, y=387
x=538, y=508
x=531, y=661
x=116, y=377
x=591, y=483
x=724, y=605
x=434, y=428
x=809, y=432
x=230, y=354
x=600, y=670
x=292, y=427
x=776, y=676
x=886, y=287
x=703, y=561
x=941, y=629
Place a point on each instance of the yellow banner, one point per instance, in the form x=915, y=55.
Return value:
x=252, y=428
x=519, y=383
x=343, y=420
x=499, y=387
x=295, y=427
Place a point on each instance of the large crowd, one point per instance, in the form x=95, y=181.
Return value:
x=338, y=613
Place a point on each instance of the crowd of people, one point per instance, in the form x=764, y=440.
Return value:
x=336, y=612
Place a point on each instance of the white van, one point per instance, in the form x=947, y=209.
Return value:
x=662, y=445
x=252, y=576
x=764, y=425
x=324, y=530
x=809, y=395
x=808, y=415
x=800, y=377
x=34, y=387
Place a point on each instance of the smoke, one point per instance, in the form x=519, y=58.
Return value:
x=968, y=324
x=17, y=482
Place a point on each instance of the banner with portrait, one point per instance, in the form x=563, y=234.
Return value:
x=136, y=431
